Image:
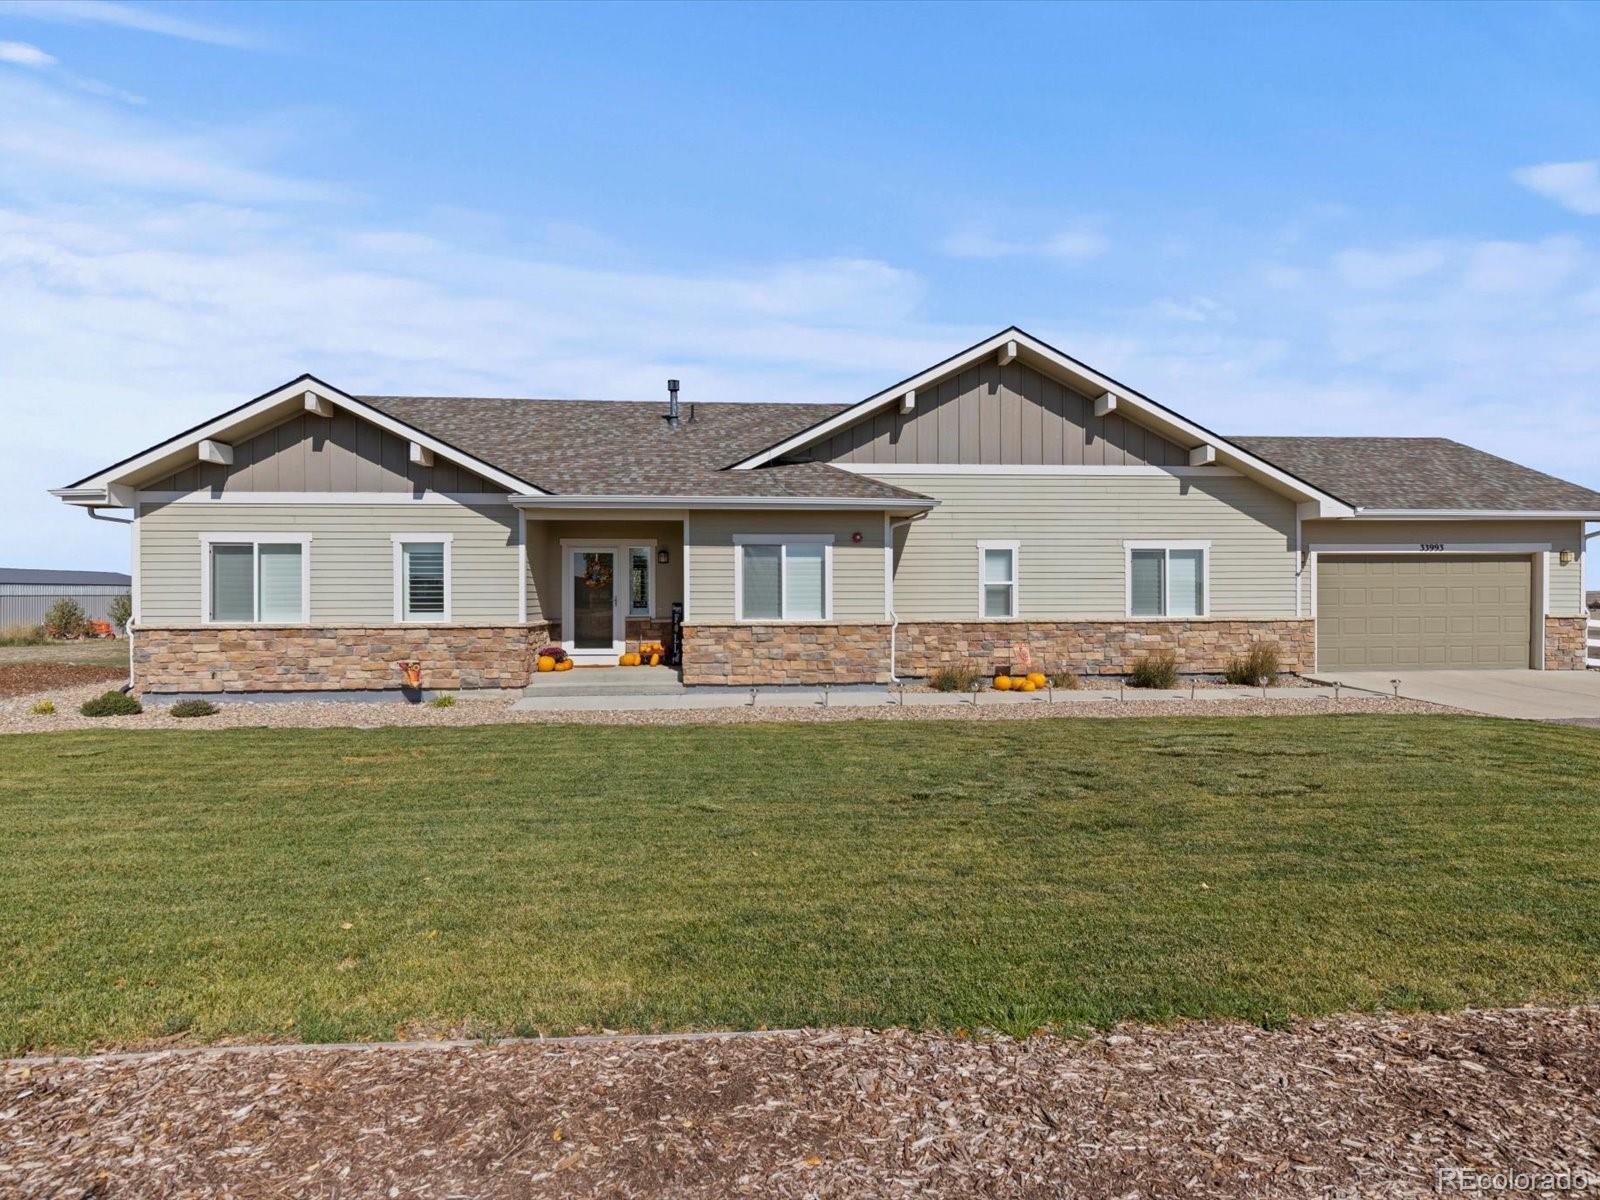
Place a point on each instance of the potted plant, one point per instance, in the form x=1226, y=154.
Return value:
x=410, y=673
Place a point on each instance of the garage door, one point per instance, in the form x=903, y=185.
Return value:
x=1376, y=611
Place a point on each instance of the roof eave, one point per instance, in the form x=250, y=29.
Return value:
x=872, y=503
x=1477, y=514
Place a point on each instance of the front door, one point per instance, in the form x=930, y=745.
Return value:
x=592, y=627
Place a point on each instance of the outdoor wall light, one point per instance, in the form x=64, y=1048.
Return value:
x=663, y=557
x=1566, y=558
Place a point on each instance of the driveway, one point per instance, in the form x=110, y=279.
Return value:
x=1531, y=695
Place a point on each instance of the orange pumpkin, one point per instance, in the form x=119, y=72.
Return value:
x=564, y=665
x=655, y=660
x=1028, y=685
x=1002, y=683
x=1037, y=678
x=546, y=663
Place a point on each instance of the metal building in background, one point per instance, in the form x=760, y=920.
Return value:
x=26, y=595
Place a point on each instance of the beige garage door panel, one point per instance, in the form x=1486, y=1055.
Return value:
x=1459, y=612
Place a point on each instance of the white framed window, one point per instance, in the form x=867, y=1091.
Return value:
x=997, y=579
x=642, y=580
x=255, y=578
x=783, y=576
x=421, y=577
x=1168, y=578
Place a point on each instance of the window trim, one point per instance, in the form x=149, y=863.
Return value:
x=396, y=541
x=1168, y=545
x=1015, y=582
x=825, y=540
x=648, y=545
x=255, y=541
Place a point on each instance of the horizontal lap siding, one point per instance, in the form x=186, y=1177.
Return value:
x=352, y=557
x=857, y=569
x=1072, y=528
x=1462, y=537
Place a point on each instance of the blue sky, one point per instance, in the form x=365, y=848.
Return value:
x=1277, y=219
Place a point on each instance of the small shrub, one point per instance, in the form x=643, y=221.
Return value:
x=1067, y=681
x=43, y=708
x=1157, y=670
x=119, y=612
x=444, y=701
x=65, y=619
x=22, y=634
x=1257, y=667
x=112, y=704
x=953, y=679
x=193, y=708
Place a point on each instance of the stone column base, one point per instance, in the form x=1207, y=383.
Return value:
x=1566, y=643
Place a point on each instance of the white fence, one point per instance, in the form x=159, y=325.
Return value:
x=1591, y=654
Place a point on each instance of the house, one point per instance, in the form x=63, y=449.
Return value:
x=310, y=539
x=27, y=594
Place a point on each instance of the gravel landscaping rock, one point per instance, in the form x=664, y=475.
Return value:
x=15, y=717
x=1345, y=1107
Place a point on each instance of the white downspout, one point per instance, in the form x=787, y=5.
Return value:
x=894, y=618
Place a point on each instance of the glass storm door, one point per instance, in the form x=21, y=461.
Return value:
x=594, y=599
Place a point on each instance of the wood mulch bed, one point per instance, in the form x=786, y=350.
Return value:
x=1349, y=1106
x=26, y=678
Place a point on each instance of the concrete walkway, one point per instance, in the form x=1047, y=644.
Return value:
x=878, y=697
x=1529, y=695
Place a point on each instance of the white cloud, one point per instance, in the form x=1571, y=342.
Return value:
x=127, y=16
x=49, y=138
x=21, y=54
x=1380, y=270
x=1573, y=185
x=1067, y=245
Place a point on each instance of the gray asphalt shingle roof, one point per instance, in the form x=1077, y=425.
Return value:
x=1419, y=473
x=627, y=448
x=63, y=578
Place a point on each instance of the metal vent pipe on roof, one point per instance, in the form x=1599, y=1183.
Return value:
x=672, y=402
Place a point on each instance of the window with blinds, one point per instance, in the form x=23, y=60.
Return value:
x=256, y=582
x=783, y=581
x=422, y=566
x=1167, y=582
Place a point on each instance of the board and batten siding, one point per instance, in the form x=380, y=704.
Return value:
x=352, y=556
x=1071, y=528
x=991, y=414
x=1467, y=537
x=341, y=453
x=858, y=568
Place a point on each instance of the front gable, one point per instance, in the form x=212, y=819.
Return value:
x=338, y=454
x=990, y=414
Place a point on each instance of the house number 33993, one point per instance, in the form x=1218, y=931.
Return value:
x=1430, y=545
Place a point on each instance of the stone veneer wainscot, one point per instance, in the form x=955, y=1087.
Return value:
x=1566, y=643
x=289, y=658
x=1097, y=647
x=773, y=654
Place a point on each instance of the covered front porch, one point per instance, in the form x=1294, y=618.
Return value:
x=607, y=582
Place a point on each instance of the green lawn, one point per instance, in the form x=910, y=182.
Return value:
x=351, y=884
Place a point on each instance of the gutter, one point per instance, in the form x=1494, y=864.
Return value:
x=852, y=503
x=1474, y=514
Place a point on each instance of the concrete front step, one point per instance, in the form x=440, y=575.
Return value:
x=605, y=681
